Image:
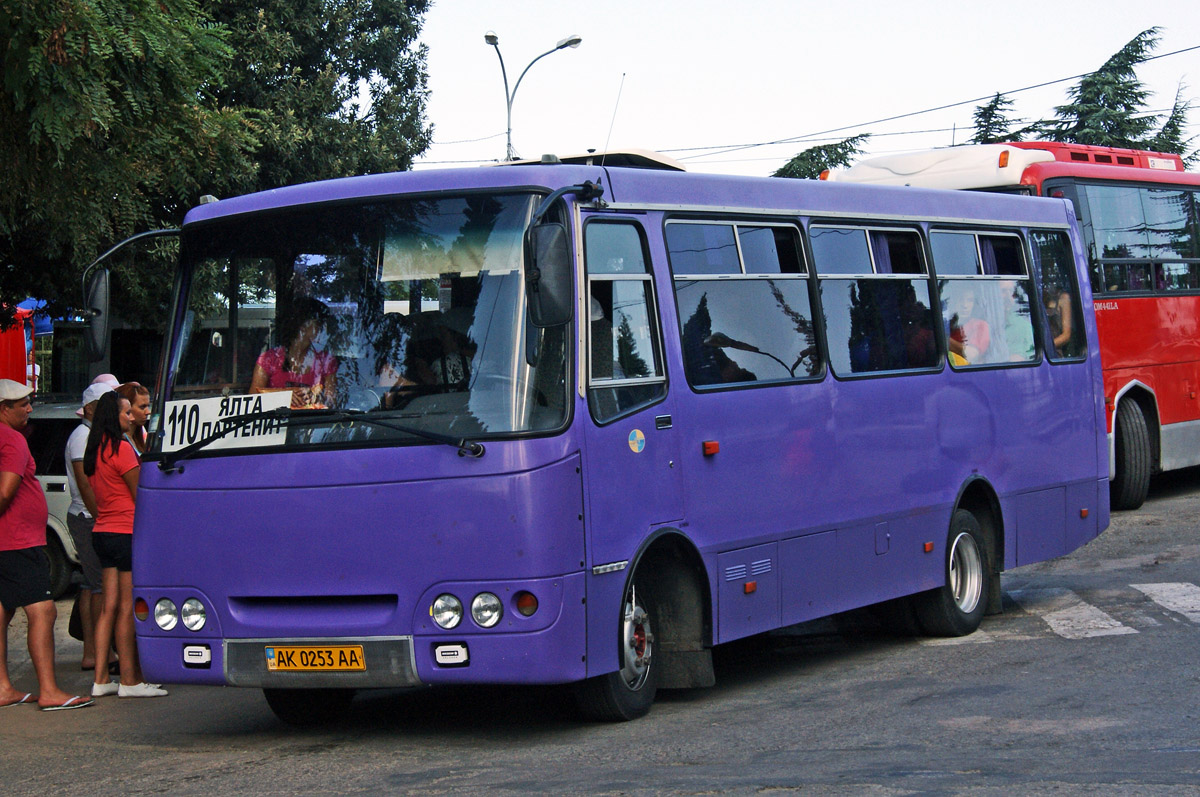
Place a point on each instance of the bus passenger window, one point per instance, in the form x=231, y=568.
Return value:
x=625, y=369
x=1062, y=326
x=881, y=319
x=752, y=322
x=984, y=289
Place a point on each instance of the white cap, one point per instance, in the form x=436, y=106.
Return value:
x=93, y=392
x=13, y=391
x=107, y=379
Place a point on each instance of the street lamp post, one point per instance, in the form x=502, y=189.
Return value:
x=491, y=38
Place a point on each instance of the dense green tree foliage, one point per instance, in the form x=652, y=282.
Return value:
x=1108, y=107
x=116, y=115
x=809, y=164
x=993, y=123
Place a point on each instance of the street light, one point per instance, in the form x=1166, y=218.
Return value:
x=491, y=38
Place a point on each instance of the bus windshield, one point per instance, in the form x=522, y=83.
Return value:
x=408, y=310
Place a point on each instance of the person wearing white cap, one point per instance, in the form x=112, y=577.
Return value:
x=24, y=570
x=80, y=519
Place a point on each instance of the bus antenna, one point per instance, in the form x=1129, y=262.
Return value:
x=616, y=105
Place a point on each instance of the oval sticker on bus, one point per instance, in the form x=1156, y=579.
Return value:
x=637, y=441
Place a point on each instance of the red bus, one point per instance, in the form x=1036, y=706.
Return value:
x=1140, y=217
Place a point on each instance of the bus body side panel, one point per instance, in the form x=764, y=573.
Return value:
x=282, y=547
x=1155, y=342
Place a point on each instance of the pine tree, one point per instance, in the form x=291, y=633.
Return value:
x=1170, y=136
x=992, y=123
x=809, y=164
x=1106, y=107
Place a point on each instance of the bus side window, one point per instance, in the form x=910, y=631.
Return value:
x=985, y=291
x=875, y=297
x=744, y=310
x=625, y=365
x=1062, y=316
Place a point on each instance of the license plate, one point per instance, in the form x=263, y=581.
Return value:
x=315, y=658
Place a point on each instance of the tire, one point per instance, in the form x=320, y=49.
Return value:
x=629, y=692
x=308, y=707
x=1132, y=481
x=60, y=566
x=957, y=607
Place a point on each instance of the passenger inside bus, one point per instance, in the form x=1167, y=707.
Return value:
x=969, y=336
x=302, y=364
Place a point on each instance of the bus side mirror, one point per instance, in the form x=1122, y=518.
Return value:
x=549, y=278
x=96, y=306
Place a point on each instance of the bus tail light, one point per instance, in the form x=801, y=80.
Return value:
x=141, y=609
x=527, y=604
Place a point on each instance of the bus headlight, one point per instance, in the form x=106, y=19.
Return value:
x=165, y=614
x=486, y=609
x=193, y=614
x=446, y=611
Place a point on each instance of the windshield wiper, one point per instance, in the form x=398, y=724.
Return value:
x=286, y=416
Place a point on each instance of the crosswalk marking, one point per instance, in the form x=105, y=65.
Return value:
x=1068, y=615
x=1180, y=598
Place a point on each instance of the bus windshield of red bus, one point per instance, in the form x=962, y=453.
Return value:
x=410, y=310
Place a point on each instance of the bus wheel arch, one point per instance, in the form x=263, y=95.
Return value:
x=974, y=557
x=663, y=629
x=1135, y=448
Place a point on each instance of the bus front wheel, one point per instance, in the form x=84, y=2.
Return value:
x=957, y=607
x=1132, y=481
x=629, y=692
x=308, y=707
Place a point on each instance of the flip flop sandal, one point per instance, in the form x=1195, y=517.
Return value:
x=74, y=702
x=29, y=698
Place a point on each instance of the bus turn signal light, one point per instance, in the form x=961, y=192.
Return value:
x=711, y=447
x=1003, y=159
x=526, y=604
x=141, y=609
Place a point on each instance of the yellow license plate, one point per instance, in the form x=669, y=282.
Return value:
x=315, y=658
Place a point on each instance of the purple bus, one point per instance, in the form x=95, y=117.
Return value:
x=567, y=423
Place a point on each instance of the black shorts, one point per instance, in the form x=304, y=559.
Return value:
x=114, y=550
x=24, y=578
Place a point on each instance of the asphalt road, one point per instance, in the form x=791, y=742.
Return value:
x=1088, y=681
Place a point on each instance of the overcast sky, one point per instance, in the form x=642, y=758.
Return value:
x=701, y=75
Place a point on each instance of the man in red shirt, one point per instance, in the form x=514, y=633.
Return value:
x=24, y=571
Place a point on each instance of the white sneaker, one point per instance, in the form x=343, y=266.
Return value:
x=104, y=690
x=140, y=690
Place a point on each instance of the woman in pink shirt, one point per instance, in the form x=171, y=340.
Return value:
x=112, y=468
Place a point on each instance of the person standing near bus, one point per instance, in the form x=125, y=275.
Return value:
x=112, y=468
x=139, y=404
x=80, y=519
x=24, y=571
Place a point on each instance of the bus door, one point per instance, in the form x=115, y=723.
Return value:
x=631, y=451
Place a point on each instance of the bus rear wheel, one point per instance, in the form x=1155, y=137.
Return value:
x=1132, y=480
x=308, y=707
x=629, y=692
x=957, y=607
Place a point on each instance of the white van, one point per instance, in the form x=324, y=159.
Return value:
x=50, y=426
